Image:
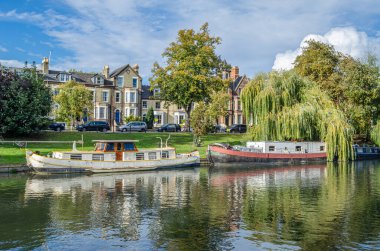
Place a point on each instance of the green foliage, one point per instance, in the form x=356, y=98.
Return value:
x=204, y=114
x=132, y=118
x=201, y=122
x=25, y=101
x=285, y=106
x=375, y=133
x=192, y=71
x=74, y=101
x=353, y=85
x=149, y=119
x=218, y=106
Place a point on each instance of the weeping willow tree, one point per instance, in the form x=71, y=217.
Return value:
x=285, y=106
x=375, y=133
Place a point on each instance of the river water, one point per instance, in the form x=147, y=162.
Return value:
x=310, y=207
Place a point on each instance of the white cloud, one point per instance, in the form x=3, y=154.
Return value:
x=3, y=49
x=346, y=40
x=253, y=32
x=12, y=63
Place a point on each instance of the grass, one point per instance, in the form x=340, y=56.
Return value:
x=183, y=142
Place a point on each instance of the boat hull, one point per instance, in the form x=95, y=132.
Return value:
x=42, y=164
x=219, y=155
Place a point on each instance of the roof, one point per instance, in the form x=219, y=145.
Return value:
x=122, y=68
x=236, y=82
x=146, y=92
x=115, y=141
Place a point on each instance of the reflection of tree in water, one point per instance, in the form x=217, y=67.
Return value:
x=311, y=207
x=198, y=223
x=323, y=216
x=22, y=224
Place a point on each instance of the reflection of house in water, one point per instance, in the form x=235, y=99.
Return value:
x=110, y=200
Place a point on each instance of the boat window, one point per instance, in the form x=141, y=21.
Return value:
x=129, y=146
x=139, y=156
x=110, y=147
x=298, y=148
x=271, y=148
x=99, y=147
x=76, y=156
x=165, y=155
x=321, y=148
x=152, y=155
x=119, y=146
x=99, y=157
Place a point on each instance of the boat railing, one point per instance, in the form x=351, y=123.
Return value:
x=366, y=149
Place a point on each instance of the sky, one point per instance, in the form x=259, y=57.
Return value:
x=257, y=36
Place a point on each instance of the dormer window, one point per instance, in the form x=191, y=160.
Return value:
x=98, y=80
x=156, y=92
x=64, y=77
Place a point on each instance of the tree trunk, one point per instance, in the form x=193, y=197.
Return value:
x=188, y=111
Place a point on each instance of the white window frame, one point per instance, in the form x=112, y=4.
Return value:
x=108, y=94
x=155, y=105
x=146, y=104
x=134, y=111
x=105, y=112
x=137, y=82
x=135, y=99
x=117, y=81
x=116, y=97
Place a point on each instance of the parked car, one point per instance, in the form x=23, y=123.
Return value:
x=169, y=128
x=101, y=126
x=137, y=126
x=57, y=126
x=218, y=128
x=241, y=128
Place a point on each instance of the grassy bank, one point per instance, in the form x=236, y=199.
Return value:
x=12, y=154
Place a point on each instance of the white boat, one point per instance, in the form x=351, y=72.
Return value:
x=110, y=156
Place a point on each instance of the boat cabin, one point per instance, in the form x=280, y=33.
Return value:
x=118, y=150
x=286, y=147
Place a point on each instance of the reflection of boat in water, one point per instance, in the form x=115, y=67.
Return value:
x=111, y=156
x=271, y=152
x=266, y=175
x=57, y=184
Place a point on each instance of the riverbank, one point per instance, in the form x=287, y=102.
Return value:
x=11, y=154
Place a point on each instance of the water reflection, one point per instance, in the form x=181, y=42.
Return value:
x=294, y=207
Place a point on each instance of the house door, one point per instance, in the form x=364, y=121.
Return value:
x=119, y=152
x=117, y=116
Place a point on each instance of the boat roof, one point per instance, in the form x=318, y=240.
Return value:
x=115, y=141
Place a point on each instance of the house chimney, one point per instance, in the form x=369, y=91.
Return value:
x=45, y=65
x=234, y=72
x=106, y=71
x=136, y=68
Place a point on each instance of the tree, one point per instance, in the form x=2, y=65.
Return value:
x=218, y=107
x=201, y=122
x=192, y=71
x=205, y=114
x=352, y=84
x=74, y=101
x=149, y=119
x=131, y=118
x=25, y=102
x=286, y=106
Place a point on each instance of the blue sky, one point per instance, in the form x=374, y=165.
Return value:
x=256, y=35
